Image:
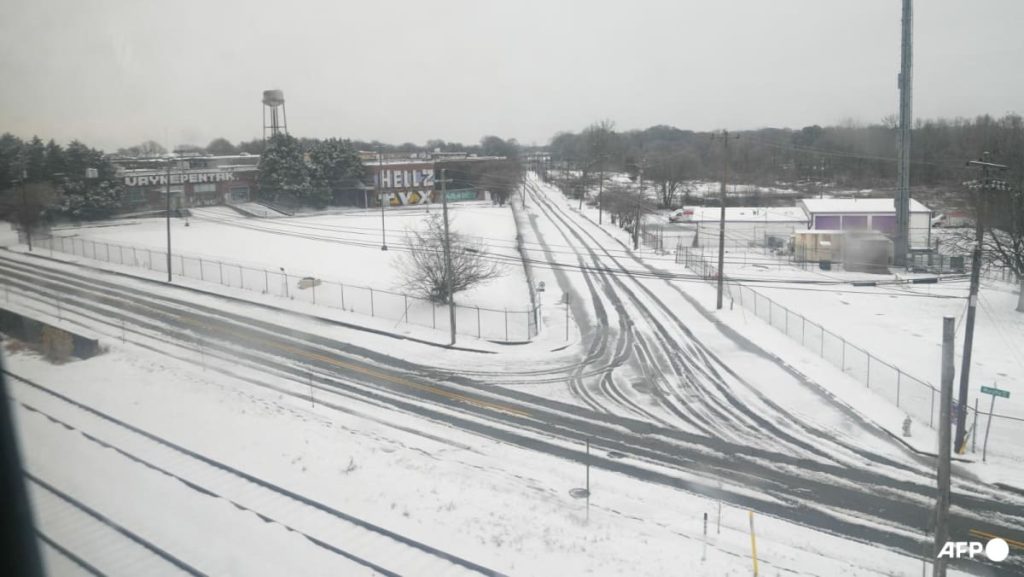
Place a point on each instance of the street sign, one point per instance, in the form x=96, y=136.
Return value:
x=996, y=392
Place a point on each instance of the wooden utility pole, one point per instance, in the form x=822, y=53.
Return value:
x=943, y=454
x=721, y=222
x=972, y=303
x=448, y=256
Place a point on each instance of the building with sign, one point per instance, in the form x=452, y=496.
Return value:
x=193, y=181
x=410, y=181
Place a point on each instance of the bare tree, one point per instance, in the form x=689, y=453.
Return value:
x=1004, y=243
x=1003, y=239
x=423, y=266
x=628, y=208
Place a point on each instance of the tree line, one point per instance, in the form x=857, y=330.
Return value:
x=846, y=156
x=46, y=181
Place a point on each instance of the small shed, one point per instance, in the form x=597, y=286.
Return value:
x=878, y=214
x=818, y=245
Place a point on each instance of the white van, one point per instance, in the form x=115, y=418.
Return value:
x=684, y=214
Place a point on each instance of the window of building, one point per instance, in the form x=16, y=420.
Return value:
x=205, y=187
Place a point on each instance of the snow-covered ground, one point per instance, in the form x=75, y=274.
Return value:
x=336, y=247
x=898, y=323
x=498, y=506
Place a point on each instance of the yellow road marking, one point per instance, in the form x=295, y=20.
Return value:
x=1010, y=542
x=365, y=370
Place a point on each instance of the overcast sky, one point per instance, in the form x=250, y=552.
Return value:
x=116, y=73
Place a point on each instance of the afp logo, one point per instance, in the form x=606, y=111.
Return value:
x=996, y=549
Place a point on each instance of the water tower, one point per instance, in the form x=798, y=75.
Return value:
x=273, y=100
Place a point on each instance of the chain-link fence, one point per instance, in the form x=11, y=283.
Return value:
x=915, y=396
x=486, y=323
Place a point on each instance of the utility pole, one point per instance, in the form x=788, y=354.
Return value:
x=380, y=198
x=640, y=199
x=448, y=256
x=25, y=218
x=524, y=188
x=905, y=83
x=972, y=303
x=721, y=222
x=169, y=219
x=943, y=454
x=600, y=192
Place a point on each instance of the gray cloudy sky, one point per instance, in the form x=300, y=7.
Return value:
x=115, y=73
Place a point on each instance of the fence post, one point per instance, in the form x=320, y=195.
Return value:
x=931, y=412
x=433, y=314
x=372, y=313
x=869, y=370
x=899, y=375
x=220, y=268
x=770, y=303
x=107, y=245
x=506, y=324
x=755, y=304
x=182, y=265
x=406, y=315
x=241, y=277
x=842, y=366
x=266, y=282
x=787, y=320
x=822, y=352
x=342, y=296
x=202, y=277
x=313, y=288
x=803, y=329
x=478, y=332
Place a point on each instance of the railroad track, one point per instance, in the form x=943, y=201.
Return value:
x=342, y=534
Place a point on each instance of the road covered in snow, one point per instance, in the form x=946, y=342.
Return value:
x=663, y=392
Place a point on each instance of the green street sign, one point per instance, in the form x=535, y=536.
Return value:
x=996, y=392
x=461, y=194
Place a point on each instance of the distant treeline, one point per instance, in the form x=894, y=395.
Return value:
x=848, y=155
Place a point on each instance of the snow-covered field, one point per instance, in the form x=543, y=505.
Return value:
x=342, y=247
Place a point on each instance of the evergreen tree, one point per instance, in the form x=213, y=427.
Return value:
x=283, y=174
x=55, y=164
x=10, y=160
x=35, y=160
x=87, y=198
x=336, y=168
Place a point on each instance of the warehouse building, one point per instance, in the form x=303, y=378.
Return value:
x=193, y=180
x=868, y=214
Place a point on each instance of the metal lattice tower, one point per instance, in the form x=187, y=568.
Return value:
x=906, y=81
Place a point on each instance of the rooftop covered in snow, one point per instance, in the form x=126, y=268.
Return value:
x=856, y=206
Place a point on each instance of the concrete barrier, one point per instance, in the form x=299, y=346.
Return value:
x=56, y=342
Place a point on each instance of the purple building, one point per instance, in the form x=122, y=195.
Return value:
x=879, y=214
